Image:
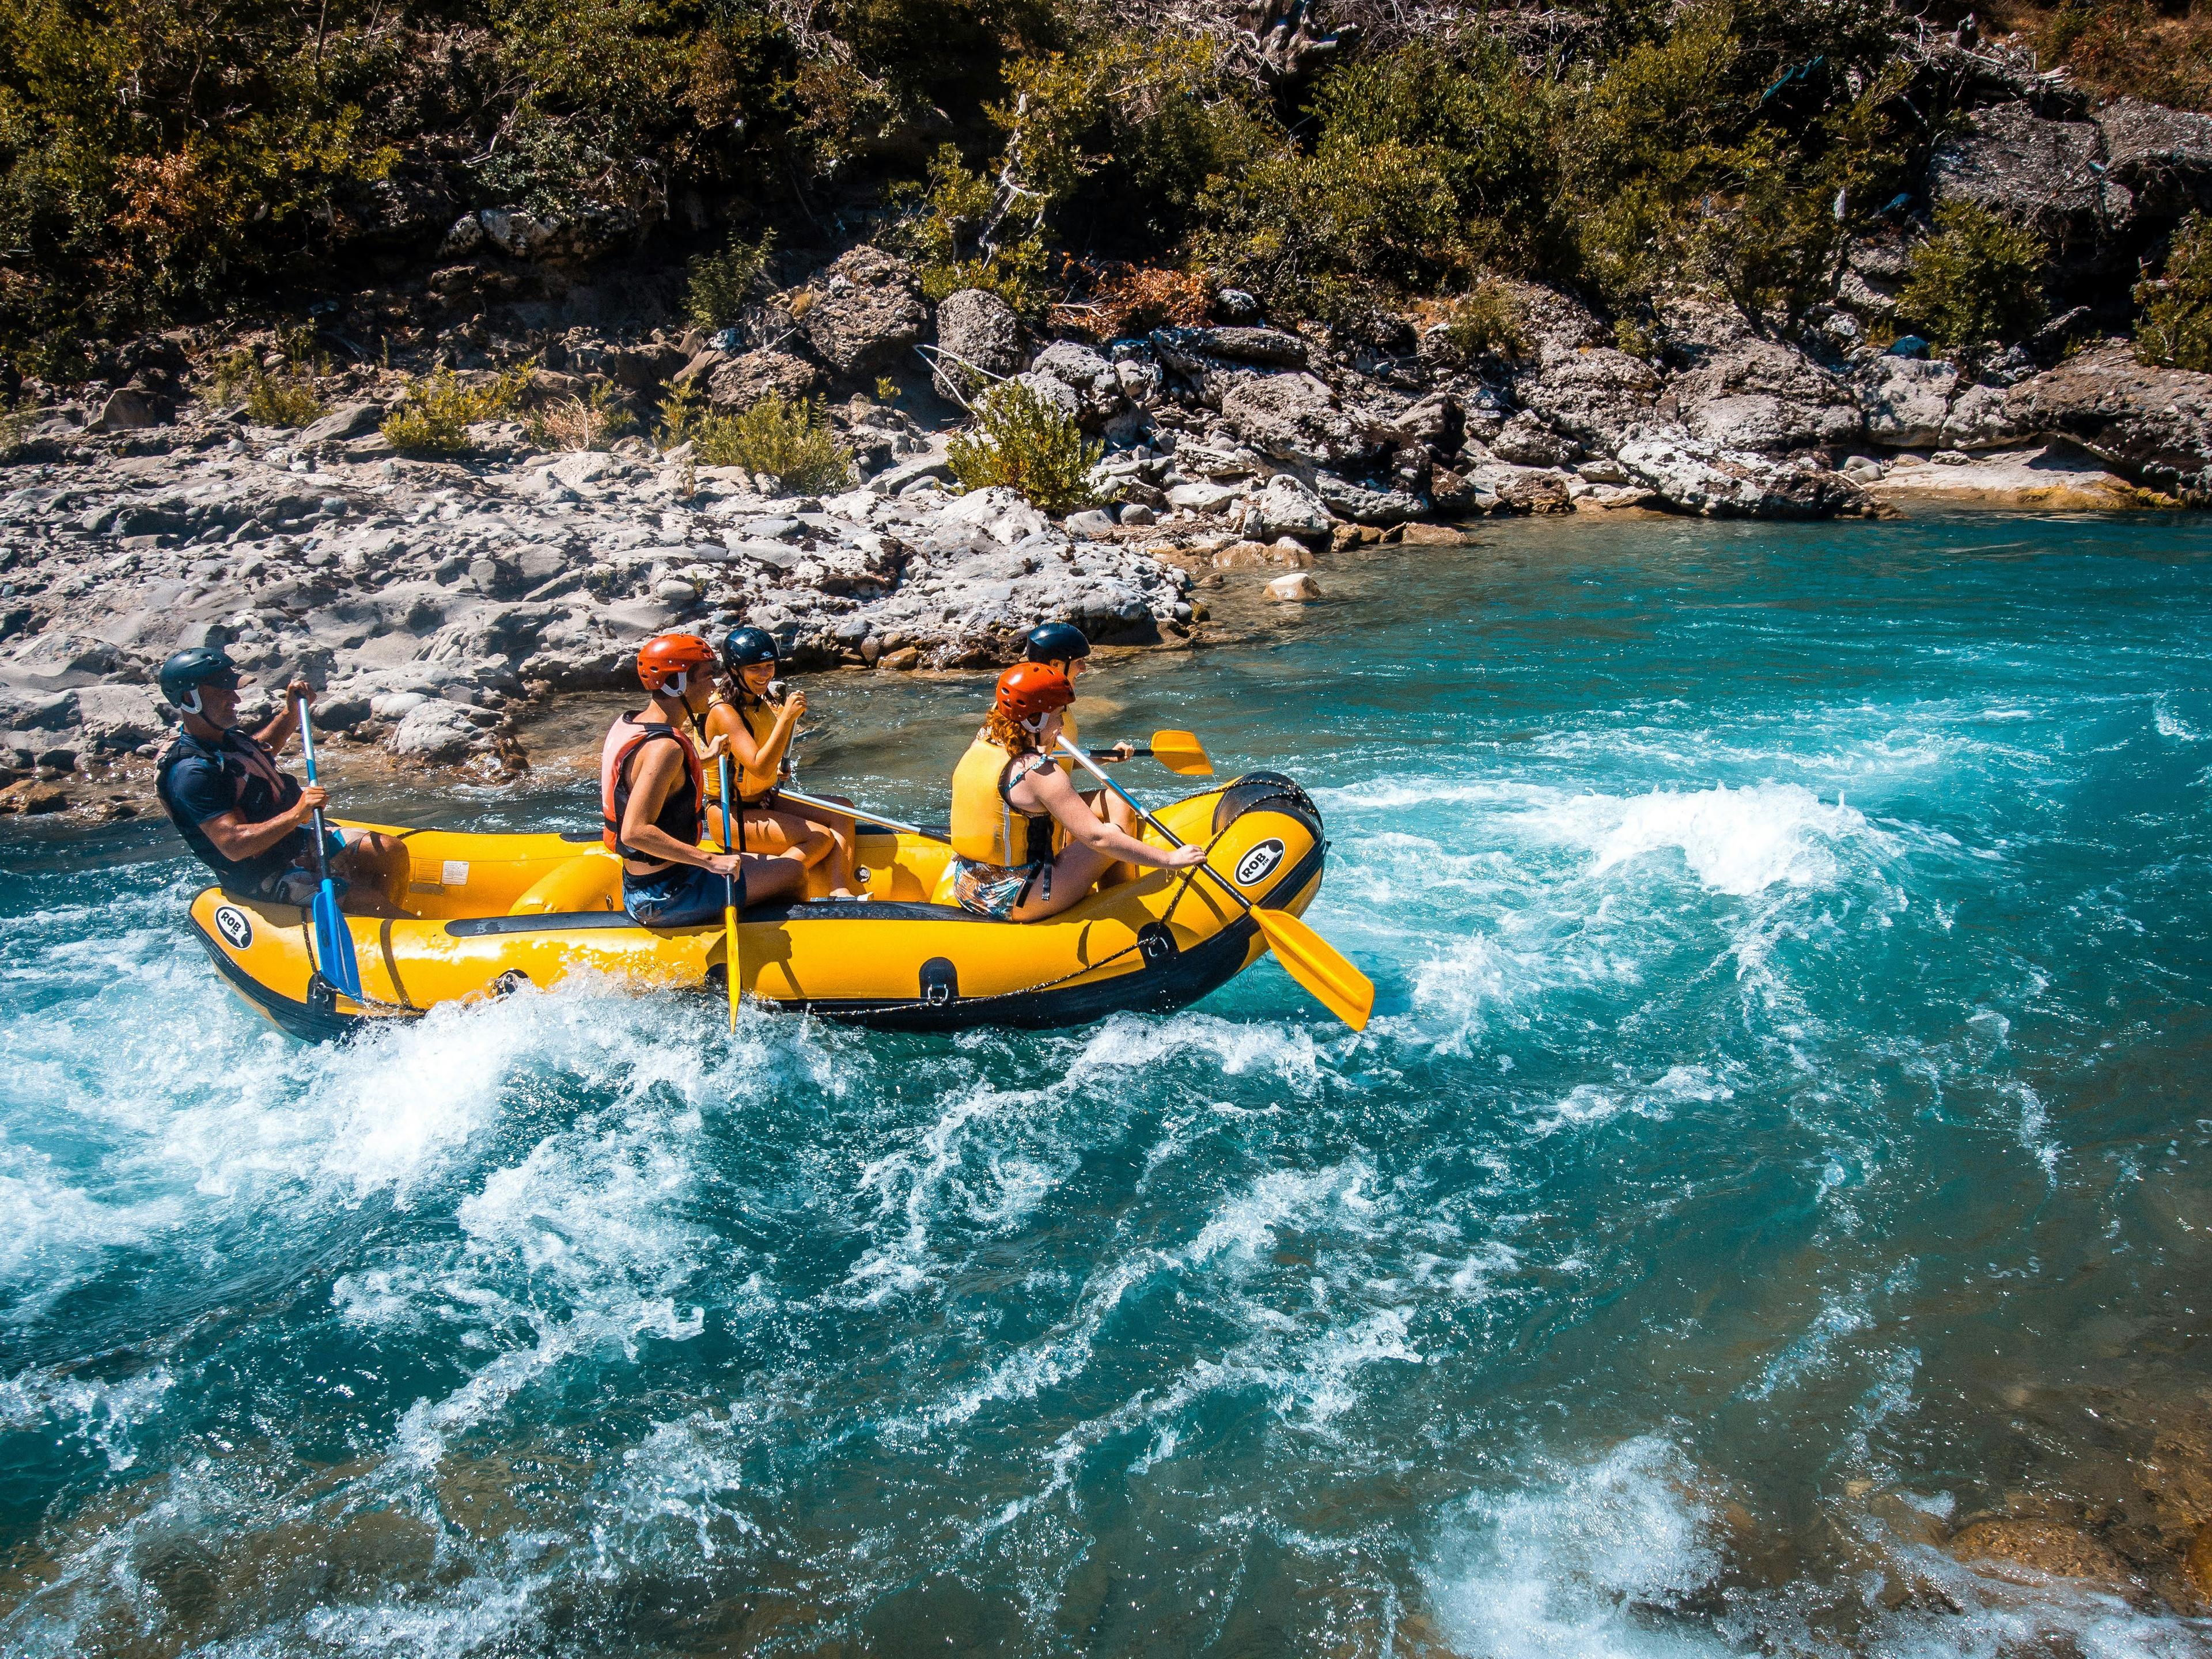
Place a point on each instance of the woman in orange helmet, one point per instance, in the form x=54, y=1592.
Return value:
x=653, y=799
x=1027, y=845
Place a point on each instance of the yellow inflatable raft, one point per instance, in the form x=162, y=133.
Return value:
x=491, y=913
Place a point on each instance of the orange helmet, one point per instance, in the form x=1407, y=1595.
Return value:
x=664, y=662
x=1029, y=690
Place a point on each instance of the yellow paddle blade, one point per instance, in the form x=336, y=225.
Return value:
x=1317, y=966
x=1179, y=751
x=730, y=958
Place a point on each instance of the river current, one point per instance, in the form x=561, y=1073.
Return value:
x=1784, y=1138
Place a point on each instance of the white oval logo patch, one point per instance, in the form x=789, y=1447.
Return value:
x=230, y=921
x=1259, y=863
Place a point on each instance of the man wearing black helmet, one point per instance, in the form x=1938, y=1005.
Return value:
x=1064, y=646
x=246, y=819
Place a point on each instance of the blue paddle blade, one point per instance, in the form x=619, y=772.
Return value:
x=334, y=943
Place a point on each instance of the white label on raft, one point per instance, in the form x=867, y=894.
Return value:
x=456, y=873
x=1259, y=863
x=230, y=921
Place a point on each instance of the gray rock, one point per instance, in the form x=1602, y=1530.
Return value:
x=2043, y=175
x=1094, y=525
x=1696, y=475
x=866, y=312
x=128, y=410
x=1285, y=508
x=1742, y=390
x=1526, y=441
x=2162, y=156
x=981, y=335
x=741, y=382
x=1905, y=399
x=2152, y=425
x=436, y=732
x=1296, y=418
x=347, y=421
x=1370, y=507
x=1271, y=347
x=1595, y=394
x=641, y=368
x=118, y=718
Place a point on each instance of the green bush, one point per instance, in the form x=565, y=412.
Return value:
x=2176, y=330
x=722, y=283
x=1489, y=322
x=1976, y=279
x=434, y=414
x=286, y=398
x=788, y=441
x=1030, y=445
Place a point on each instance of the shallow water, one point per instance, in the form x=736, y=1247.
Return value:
x=1784, y=1137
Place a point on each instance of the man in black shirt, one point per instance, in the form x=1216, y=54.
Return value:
x=247, y=820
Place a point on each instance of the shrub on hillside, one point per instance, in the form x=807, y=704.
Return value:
x=287, y=397
x=1976, y=279
x=1489, y=322
x=1126, y=299
x=790, y=442
x=435, y=413
x=576, y=424
x=2175, y=329
x=722, y=284
x=1028, y=444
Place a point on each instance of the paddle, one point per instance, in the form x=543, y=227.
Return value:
x=863, y=814
x=333, y=939
x=730, y=809
x=1305, y=954
x=1179, y=751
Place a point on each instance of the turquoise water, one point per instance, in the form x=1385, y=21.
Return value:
x=1784, y=1137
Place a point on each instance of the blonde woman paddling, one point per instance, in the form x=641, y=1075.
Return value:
x=1026, y=845
x=759, y=733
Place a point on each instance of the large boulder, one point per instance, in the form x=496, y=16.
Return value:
x=1285, y=508
x=1595, y=394
x=1696, y=475
x=2047, y=176
x=436, y=732
x=641, y=368
x=1296, y=418
x=1741, y=390
x=865, y=313
x=1906, y=400
x=2163, y=156
x=743, y=381
x=2153, y=425
x=1090, y=377
x=979, y=338
x=117, y=717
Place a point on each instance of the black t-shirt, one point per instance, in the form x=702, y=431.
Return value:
x=199, y=781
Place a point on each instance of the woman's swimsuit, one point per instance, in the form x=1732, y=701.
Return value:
x=998, y=889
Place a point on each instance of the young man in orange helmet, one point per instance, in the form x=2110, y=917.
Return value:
x=653, y=799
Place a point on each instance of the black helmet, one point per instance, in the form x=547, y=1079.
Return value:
x=185, y=673
x=747, y=646
x=1057, y=642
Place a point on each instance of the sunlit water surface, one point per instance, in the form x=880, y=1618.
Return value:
x=1784, y=1135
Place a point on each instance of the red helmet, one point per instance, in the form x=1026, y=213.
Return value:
x=668, y=658
x=1029, y=690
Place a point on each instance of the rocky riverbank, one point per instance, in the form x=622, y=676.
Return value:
x=433, y=601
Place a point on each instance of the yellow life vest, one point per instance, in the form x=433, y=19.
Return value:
x=986, y=828
x=760, y=721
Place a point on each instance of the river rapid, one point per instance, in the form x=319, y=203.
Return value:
x=1779, y=1160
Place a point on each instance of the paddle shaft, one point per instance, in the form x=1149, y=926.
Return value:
x=729, y=893
x=1138, y=808
x=308, y=748
x=862, y=813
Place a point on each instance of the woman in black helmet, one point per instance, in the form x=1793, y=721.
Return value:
x=759, y=730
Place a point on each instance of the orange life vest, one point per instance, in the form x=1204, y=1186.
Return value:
x=682, y=815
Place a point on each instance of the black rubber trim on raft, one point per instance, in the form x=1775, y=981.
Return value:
x=296, y=1019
